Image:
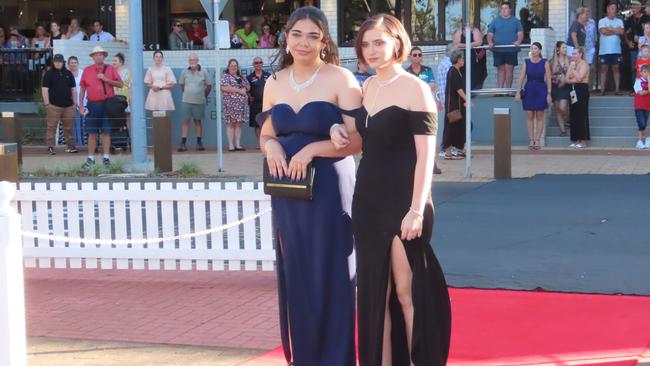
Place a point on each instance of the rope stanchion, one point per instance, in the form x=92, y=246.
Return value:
x=92, y=241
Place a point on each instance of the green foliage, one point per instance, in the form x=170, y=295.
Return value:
x=190, y=170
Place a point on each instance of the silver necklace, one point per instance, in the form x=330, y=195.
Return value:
x=304, y=85
x=380, y=85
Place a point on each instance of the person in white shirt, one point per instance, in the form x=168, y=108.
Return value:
x=100, y=35
x=78, y=130
x=74, y=31
x=611, y=30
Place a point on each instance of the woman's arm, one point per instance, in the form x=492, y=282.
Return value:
x=348, y=98
x=425, y=150
x=269, y=144
x=549, y=85
x=455, y=39
x=478, y=37
x=170, y=79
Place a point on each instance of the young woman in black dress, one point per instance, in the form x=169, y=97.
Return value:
x=402, y=298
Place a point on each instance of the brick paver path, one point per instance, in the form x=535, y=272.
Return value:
x=220, y=309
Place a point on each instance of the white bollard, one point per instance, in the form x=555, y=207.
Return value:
x=13, y=350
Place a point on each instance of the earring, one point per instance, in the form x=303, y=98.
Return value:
x=287, y=50
x=323, y=53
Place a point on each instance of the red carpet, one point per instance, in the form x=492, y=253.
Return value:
x=493, y=327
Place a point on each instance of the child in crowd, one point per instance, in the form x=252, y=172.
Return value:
x=642, y=106
x=643, y=59
x=645, y=38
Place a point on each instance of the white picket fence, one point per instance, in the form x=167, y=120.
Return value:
x=158, y=212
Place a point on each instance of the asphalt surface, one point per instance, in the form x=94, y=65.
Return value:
x=567, y=233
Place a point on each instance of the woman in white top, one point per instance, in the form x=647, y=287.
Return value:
x=74, y=31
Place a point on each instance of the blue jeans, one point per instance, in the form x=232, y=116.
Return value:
x=642, y=118
x=78, y=130
x=97, y=118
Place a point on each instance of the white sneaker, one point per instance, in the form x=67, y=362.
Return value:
x=641, y=145
x=442, y=153
x=454, y=151
x=647, y=143
x=572, y=146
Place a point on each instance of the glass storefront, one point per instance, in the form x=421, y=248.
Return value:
x=435, y=21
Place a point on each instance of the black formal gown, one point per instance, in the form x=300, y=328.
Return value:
x=382, y=197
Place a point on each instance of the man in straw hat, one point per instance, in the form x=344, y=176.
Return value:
x=97, y=82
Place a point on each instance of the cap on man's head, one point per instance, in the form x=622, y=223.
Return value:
x=635, y=4
x=58, y=58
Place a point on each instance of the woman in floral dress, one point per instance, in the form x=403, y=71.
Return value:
x=234, y=103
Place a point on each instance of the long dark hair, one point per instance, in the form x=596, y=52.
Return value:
x=330, y=52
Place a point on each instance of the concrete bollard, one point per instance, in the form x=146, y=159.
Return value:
x=13, y=132
x=13, y=348
x=162, y=141
x=8, y=162
x=502, y=144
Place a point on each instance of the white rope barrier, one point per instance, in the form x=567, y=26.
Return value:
x=91, y=241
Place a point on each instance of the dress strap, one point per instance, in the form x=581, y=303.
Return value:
x=348, y=112
x=262, y=116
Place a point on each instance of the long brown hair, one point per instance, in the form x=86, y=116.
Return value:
x=330, y=53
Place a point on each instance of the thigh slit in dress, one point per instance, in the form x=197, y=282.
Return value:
x=382, y=197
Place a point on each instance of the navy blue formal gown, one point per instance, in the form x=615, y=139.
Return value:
x=313, y=245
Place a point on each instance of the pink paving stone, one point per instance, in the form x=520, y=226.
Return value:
x=206, y=308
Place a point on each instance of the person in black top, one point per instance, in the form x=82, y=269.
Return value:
x=59, y=98
x=634, y=30
x=257, y=80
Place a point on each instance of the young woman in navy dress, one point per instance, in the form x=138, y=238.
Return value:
x=402, y=298
x=313, y=238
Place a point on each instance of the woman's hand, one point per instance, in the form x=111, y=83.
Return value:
x=276, y=158
x=298, y=164
x=549, y=99
x=518, y=96
x=243, y=91
x=340, y=136
x=411, y=226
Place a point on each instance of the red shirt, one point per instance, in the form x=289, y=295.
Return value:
x=641, y=102
x=94, y=88
x=197, y=35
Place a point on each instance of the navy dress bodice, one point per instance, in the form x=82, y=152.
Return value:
x=314, y=245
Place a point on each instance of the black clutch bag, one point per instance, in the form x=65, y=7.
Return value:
x=286, y=187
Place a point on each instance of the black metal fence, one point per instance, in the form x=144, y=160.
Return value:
x=21, y=71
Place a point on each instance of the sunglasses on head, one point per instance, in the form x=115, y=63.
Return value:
x=416, y=55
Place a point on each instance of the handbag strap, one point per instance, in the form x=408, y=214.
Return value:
x=104, y=84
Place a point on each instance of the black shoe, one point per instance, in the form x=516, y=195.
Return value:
x=107, y=162
x=89, y=162
x=199, y=147
x=50, y=150
x=182, y=147
x=240, y=149
x=71, y=150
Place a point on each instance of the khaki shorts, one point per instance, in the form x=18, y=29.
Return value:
x=193, y=111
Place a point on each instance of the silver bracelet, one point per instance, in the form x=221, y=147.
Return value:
x=416, y=212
